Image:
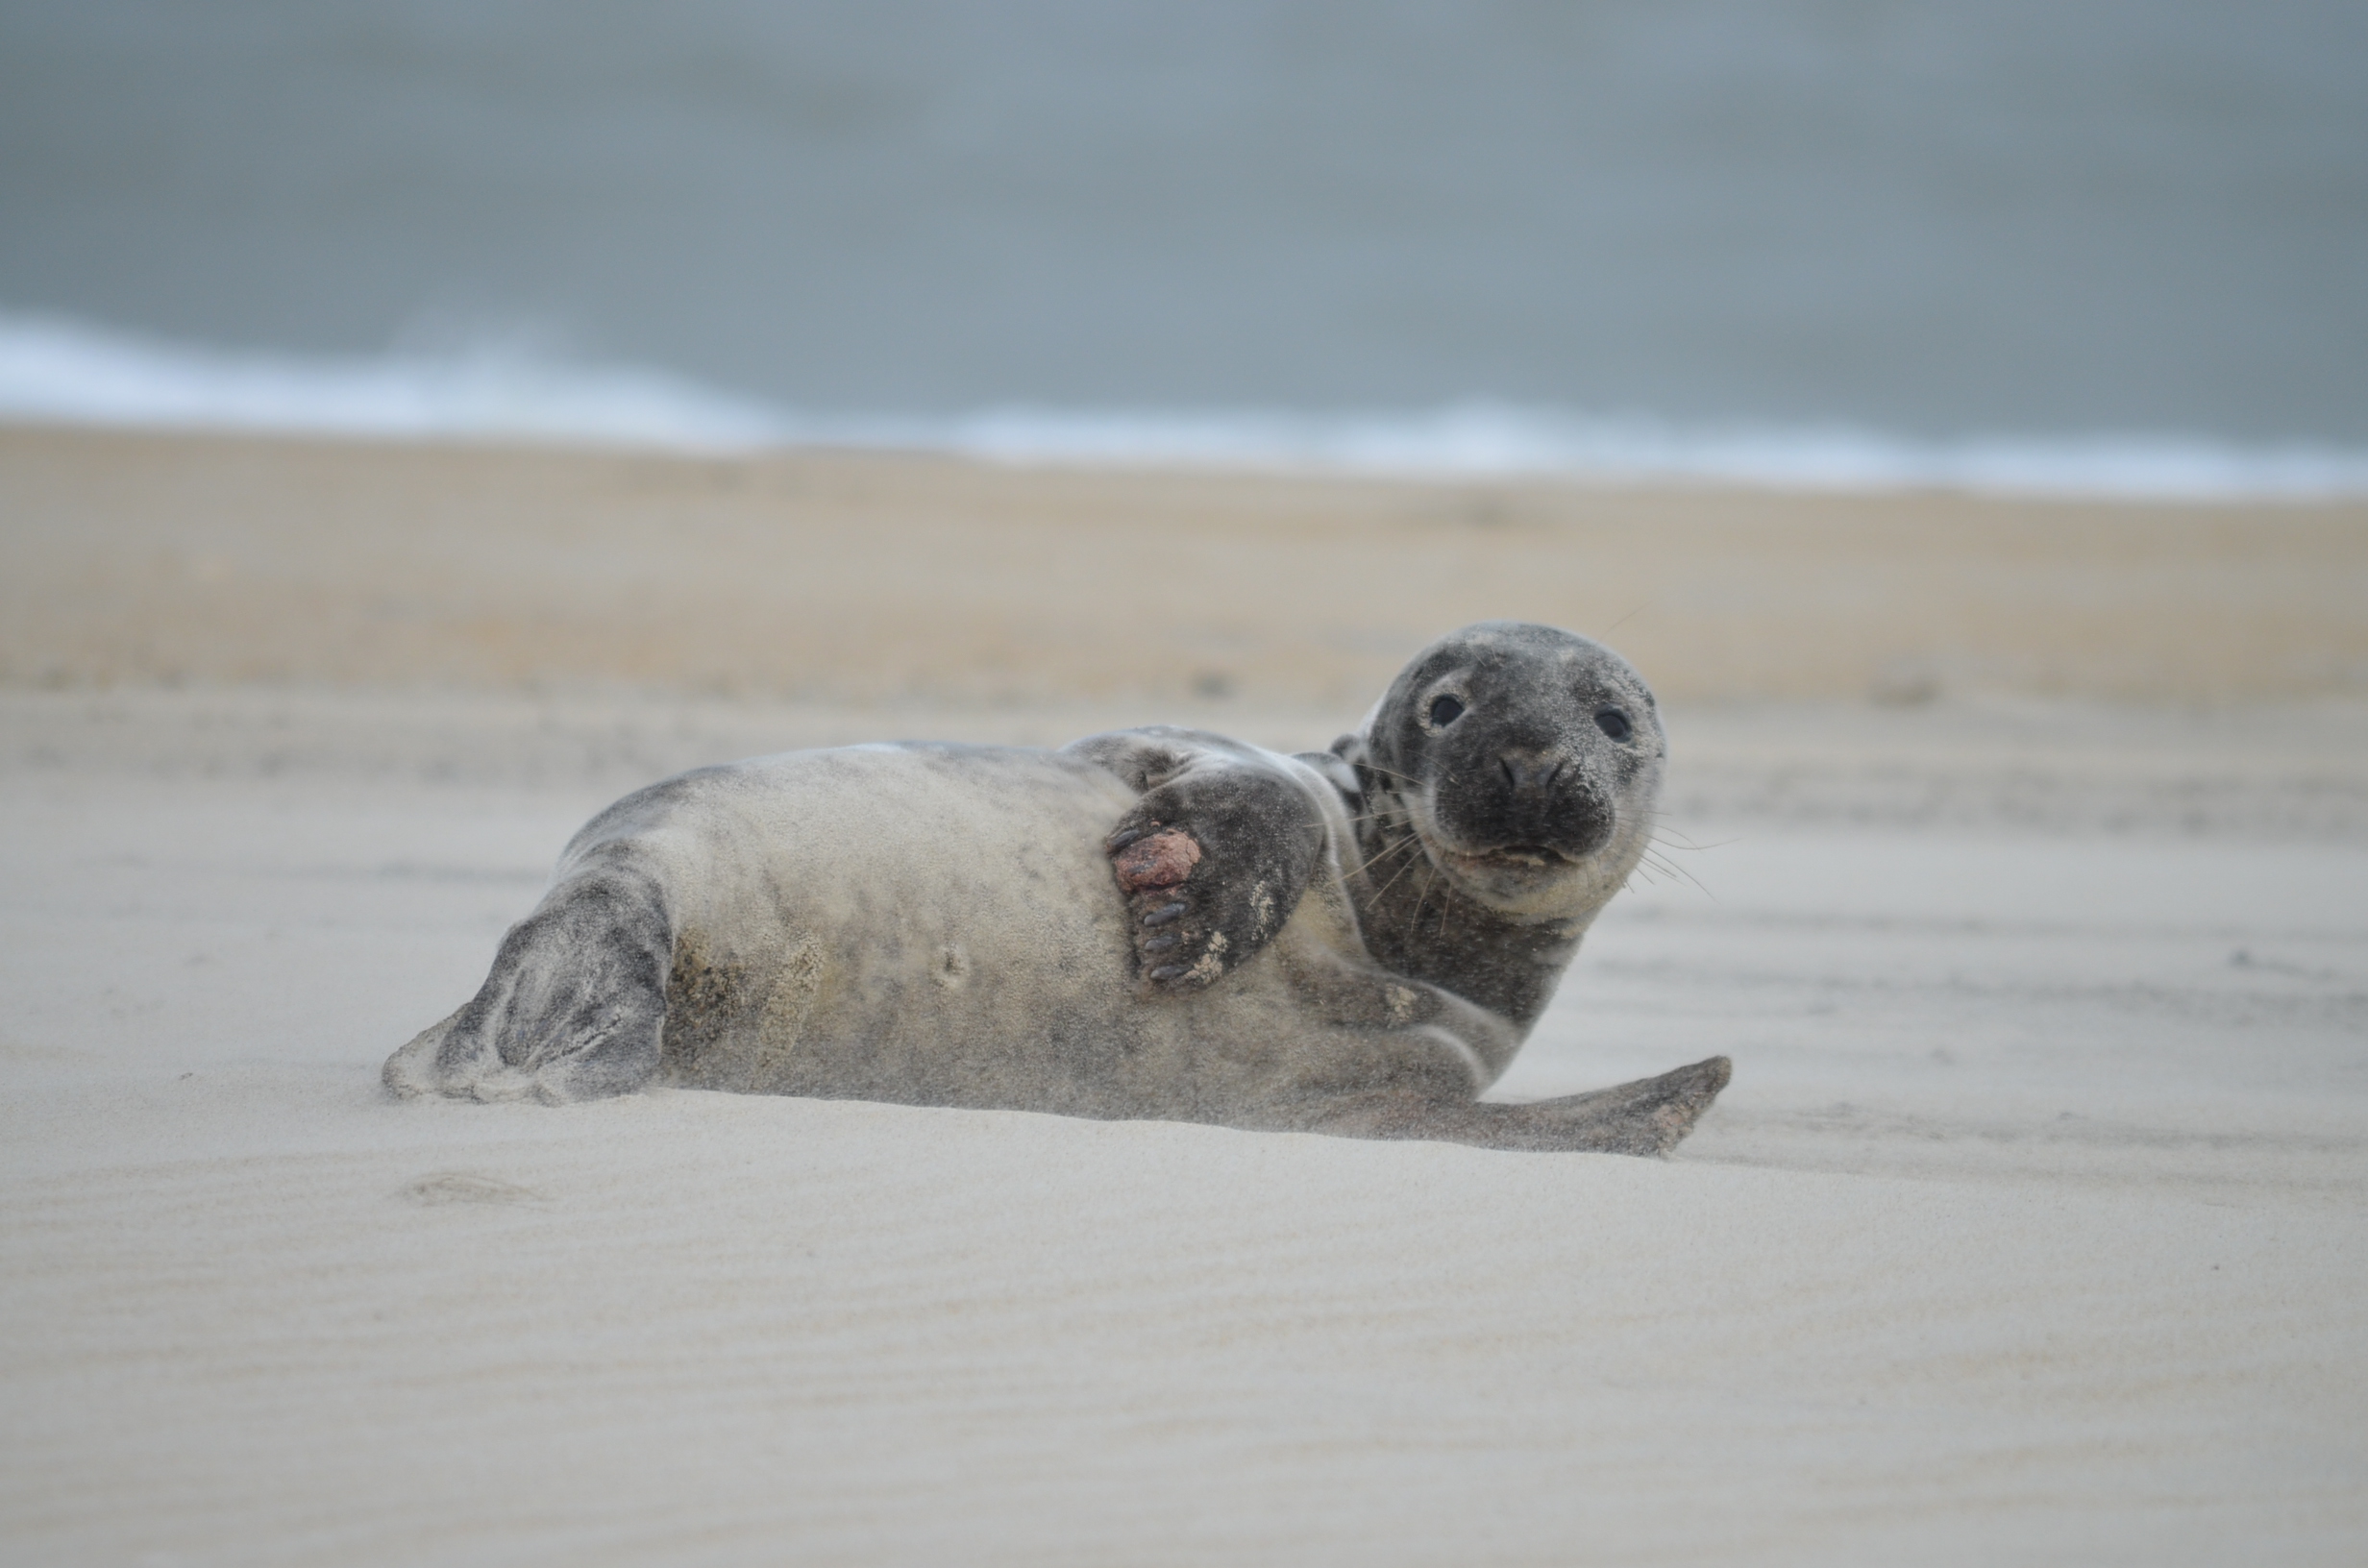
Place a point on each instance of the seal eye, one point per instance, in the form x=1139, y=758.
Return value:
x=1444, y=711
x=1615, y=723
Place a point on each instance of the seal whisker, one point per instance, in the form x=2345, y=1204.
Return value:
x=1381, y=855
x=1400, y=871
x=1625, y=619
x=1661, y=837
x=1670, y=867
x=1407, y=779
x=1423, y=899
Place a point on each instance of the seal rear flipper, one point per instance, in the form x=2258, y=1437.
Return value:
x=575, y=1006
x=412, y=1071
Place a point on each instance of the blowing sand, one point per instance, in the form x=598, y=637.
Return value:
x=2031, y=1228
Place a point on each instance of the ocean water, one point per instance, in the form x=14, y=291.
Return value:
x=2114, y=247
x=53, y=371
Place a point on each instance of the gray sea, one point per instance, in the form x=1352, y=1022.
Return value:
x=2134, y=230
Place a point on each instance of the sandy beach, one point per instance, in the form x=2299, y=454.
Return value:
x=2019, y=850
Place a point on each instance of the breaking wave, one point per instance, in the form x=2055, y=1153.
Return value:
x=54, y=370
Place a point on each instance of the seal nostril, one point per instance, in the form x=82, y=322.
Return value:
x=1529, y=776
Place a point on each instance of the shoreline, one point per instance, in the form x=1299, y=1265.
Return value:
x=839, y=577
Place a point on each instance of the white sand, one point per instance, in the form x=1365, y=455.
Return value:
x=2031, y=1230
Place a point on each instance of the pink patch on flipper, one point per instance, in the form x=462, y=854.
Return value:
x=1159, y=861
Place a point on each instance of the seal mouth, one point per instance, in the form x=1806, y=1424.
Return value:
x=1511, y=857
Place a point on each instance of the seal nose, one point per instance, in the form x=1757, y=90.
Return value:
x=1531, y=773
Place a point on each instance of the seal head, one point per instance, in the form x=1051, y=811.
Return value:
x=1525, y=759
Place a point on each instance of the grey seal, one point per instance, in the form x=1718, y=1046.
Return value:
x=1157, y=922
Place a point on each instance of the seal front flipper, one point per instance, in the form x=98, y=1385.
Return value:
x=1212, y=864
x=1215, y=855
x=1650, y=1117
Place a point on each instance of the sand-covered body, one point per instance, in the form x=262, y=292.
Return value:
x=1155, y=923
x=936, y=924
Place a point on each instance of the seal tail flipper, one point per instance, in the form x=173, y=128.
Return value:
x=575, y=1006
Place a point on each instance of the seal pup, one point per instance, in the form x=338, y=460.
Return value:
x=1156, y=922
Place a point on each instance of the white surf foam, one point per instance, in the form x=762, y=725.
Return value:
x=56, y=370
x=1484, y=440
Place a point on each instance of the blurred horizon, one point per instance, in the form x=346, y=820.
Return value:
x=1936, y=223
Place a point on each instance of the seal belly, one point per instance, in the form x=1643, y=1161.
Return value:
x=930, y=924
